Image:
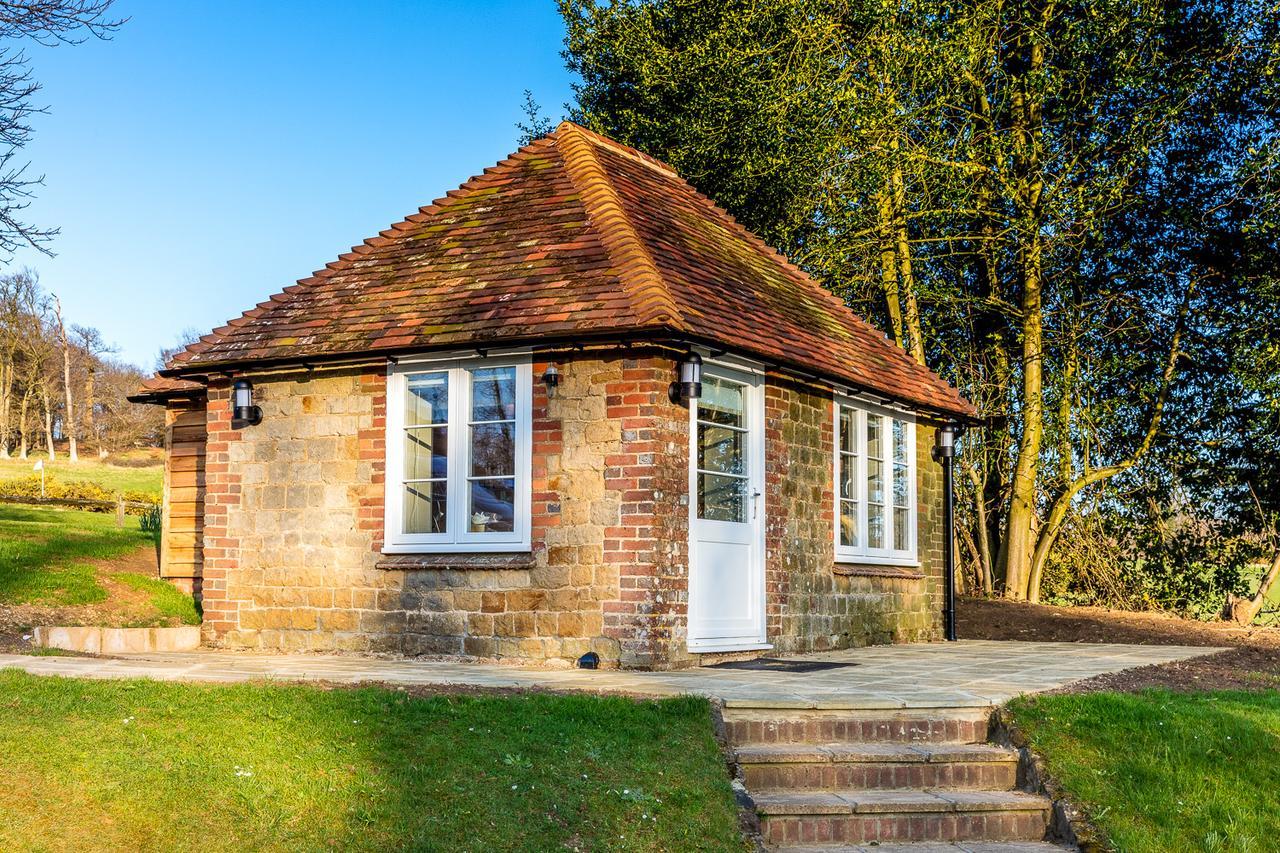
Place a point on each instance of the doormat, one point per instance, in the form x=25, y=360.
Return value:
x=779, y=665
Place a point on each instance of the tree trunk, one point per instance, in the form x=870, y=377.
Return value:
x=22, y=423
x=889, y=270
x=69, y=417
x=48, y=424
x=902, y=247
x=1245, y=610
x=7, y=373
x=90, y=428
x=1019, y=542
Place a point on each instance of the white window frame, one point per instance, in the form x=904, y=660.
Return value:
x=862, y=554
x=458, y=537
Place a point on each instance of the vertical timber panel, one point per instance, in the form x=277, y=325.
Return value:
x=183, y=531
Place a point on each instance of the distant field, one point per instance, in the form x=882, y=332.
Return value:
x=114, y=478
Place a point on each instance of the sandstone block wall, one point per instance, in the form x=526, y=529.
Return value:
x=811, y=607
x=293, y=534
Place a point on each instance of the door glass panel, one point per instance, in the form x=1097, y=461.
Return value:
x=722, y=472
x=721, y=402
x=720, y=449
x=721, y=497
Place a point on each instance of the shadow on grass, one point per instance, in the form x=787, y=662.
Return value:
x=139, y=764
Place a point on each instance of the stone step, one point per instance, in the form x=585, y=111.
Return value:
x=930, y=847
x=819, y=725
x=861, y=816
x=846, y=766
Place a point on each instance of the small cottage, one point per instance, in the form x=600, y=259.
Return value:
x=571, y=407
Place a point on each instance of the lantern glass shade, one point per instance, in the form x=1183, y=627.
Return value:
x=691, y=369
x=690, y=372
x=243, y=390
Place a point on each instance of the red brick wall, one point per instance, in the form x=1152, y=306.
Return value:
x=649, y=543
x=221, y=553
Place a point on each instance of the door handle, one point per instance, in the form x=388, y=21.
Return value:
x=755, y=505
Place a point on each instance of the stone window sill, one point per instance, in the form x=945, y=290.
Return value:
x=862, y=571
x=456, y=562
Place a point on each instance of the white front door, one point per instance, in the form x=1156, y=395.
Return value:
x=726, y=512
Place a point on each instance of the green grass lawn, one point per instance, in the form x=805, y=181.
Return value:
x=142, y=765
x=167, y=602
x=47, y=555
x=1160, y=771
x=111, y=477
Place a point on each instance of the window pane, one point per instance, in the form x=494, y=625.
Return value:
x=720, y=449
x=426, y=507
x=848, y=475
x=426, y=399
x=722, y=498
x=721, y=402
x=493, y=394
x=874, y=437
x=901, y=529
x=493, y=450
x=493, y=506
x=848, y=434
x=426, y=453
x=901, y=486
x=900, y=442
x=849, y=524
x=875, y=481
x=875, y=526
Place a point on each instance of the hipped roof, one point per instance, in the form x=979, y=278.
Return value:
x=573, y=237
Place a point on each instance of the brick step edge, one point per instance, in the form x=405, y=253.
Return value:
x=896, y=801
x=972, y=776
x=873, y=753
x=905, y=827
x=767, y=726
x=931, y=847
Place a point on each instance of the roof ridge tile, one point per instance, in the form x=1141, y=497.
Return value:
x=653, y=302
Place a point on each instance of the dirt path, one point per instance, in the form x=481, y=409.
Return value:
x=1252, y=663
x=123, y=604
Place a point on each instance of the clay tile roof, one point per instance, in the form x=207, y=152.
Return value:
x=573, y=236
x=158, y=388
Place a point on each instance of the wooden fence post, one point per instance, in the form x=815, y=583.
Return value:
x=119, y=509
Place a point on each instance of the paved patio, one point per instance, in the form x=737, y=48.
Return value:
x=969, y=673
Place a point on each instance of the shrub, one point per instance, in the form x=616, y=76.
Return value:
x=79, y=490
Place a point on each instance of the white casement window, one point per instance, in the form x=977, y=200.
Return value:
x=459, y=448
x=875, y=485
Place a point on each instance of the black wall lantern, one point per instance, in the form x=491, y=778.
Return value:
x=689, y=385
x=243, y=412
x=551, y=378
x=944, y=451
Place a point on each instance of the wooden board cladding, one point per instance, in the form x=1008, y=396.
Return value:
x=183, y=533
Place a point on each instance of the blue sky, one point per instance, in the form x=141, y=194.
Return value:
x=213, y=153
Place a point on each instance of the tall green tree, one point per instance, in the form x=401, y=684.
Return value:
x=980, y=178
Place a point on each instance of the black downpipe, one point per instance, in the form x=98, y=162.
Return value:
x=944, y=452
x=948, y=546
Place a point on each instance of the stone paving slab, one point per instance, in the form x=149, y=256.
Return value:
x=968, y=673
